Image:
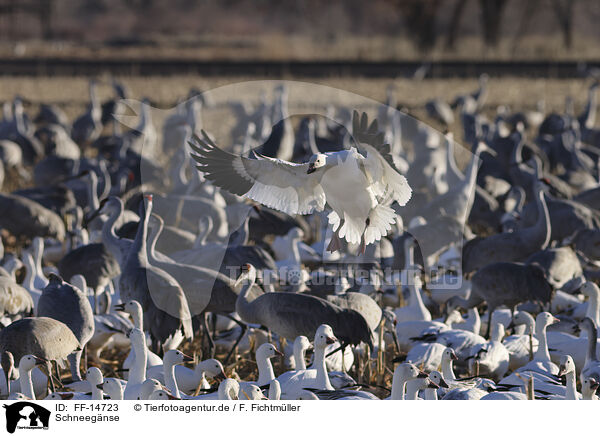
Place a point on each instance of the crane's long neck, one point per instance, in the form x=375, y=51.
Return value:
x=92, y=191
x=109, y=235
x=155, y=232
x=541, y=230
x=592, y=339
x=299, y=357
x=571, y=393
x=244, y=307
x=542, y=353
x=265, y=370
x=26, y=383
x=139, y=246
x=322, y=375
x=170, y=381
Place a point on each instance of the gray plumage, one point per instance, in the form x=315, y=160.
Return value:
x=66, y=303
x=43, y=337
x=506, y=283
x=509, y=247
x=561, y=265
x=291, y=315
x=164, y=304
x=26, y=218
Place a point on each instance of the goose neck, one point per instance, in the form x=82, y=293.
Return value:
x=26, y=383
x=542, y=353
x=170, y=381
x=265, y=371
x=448, y=370
x=299, y=353
x=320, y=366
x=137, y=374
x=571, y=392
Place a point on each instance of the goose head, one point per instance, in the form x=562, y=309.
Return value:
x=229, y=389
x=408, y=371
x=566, y=365
x=176, y=357
x=132, y=307
x=546, y=319
x=437, y=379
x=251, y=392
x=266, y=351
x=213, y=368
x=111, y=387
x=94, y=376
x=301, y=344
x=162, y=395
x=315, y=162
x=324, y=336
x=148, y=386
x=589, y=386
x=449, y=355
x=28, y=362
x=590, y=290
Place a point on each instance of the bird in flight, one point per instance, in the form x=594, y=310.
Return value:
x=358, y=184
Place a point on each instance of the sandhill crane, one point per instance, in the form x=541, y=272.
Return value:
x=66, y=303
x=25, y=218
x=506, y=283
x=166, y=310
x=291, y=315
x=43, y=337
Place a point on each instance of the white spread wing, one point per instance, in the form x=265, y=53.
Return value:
x=281, y=185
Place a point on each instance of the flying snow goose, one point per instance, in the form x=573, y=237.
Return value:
x=358, y=184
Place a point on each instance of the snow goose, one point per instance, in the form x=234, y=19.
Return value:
x=418, y=384
x=229, y=389
x=10, y=373
x=541, y=360
x=113, y=388
x=492, y=356
x=592, y=364
x=251, y=392
x=264, y=353
x=137, y=372
x=134, y=309
x=353, y=182
x=436, y=380
x=521, y=348
x=567, y=369
x=294, y=381
x=26, y=366
x=188, y=379
x=415, y=310
x=589, y=386
x=402, y=374
x=172, y=358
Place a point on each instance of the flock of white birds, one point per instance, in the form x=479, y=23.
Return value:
x=352, y=249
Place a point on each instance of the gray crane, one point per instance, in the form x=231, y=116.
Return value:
x=370, y=311
x=206, y=290
x=509, y=247
x=291, y=315
x=26, y=218
x=561, y=266
x=165, y=307
x=92, y=261
x=506, y=283
x=43, y=337
x=66, y=303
